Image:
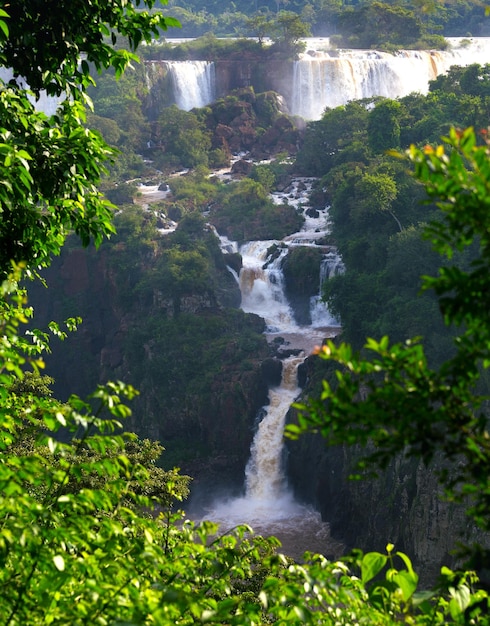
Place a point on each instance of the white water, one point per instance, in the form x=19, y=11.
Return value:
x=262, y=286
x=268, y=504
x=329, y=78
x=265, y=479
x=193, y=83
x=325, y=77
x=261, y=279
x=267, y=497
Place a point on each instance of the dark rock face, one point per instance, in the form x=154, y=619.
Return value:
x=272, y=372
x=241, y=168
x=270, y=75
x=207, y=414
x=403, y=506
x=244, y=121
x=301, y=270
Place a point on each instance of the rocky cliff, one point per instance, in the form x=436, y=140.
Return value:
x=403, y=506
x=196, y=362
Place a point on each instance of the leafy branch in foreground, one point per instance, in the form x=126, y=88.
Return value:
x=50, y=166
x=53, y=49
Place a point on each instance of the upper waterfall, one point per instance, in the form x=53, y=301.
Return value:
x=324, y=78
x=193, y=83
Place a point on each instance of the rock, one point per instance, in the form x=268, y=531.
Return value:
x=313, y=213
x=241, y=168
x=271, y=371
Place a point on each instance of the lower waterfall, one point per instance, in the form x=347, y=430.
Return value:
x=265, y=478
x=268, y=504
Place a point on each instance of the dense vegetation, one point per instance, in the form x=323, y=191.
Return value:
x=378, y=216
x=369, y=23
x=78, y=541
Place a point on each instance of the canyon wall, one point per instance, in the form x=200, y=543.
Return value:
x=201, y=368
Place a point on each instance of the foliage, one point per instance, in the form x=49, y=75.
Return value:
x=119, y=101
x=244, y=212
x=181, y=139
x=287, y=30
x=49, y=175
x=381, y=249
x=77, y=544
x=50, y=166
x=45, y=47
x=384, y=126
x=271, y=175
x=377, y=24
x=473, y=80
x=206, y=46
x=73, y=551
x=338, y=128
x=393, y=398
x=326, y=17
x=195, y=189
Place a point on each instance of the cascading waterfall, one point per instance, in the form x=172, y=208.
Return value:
x=262, y=286
x=323, y=78
x=267, y=497
x=265, y=479
x=268, y=504
x=322, y=81
x=332, y=265
x=193, y=82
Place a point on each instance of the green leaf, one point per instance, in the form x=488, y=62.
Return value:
x=4, y=28
x=407, y=582
x=371, y=565
x=460, y=600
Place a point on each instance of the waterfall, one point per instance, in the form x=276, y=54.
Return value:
x=265, y=480
x=324, y=78
x=331, y=265
x=268, y=504
x=193, y=83
x=261, y=278
x=262, y=285
x=267, y=496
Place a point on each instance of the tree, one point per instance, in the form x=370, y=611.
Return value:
x=50, y=167
x=384, y=125
x=377, y=193
x=379, y=24
x=260, y=25
x=393, y=400
x=52, y=49
x=181, y=138
x=287, y=31
x=76, y=543
x=330, y=135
